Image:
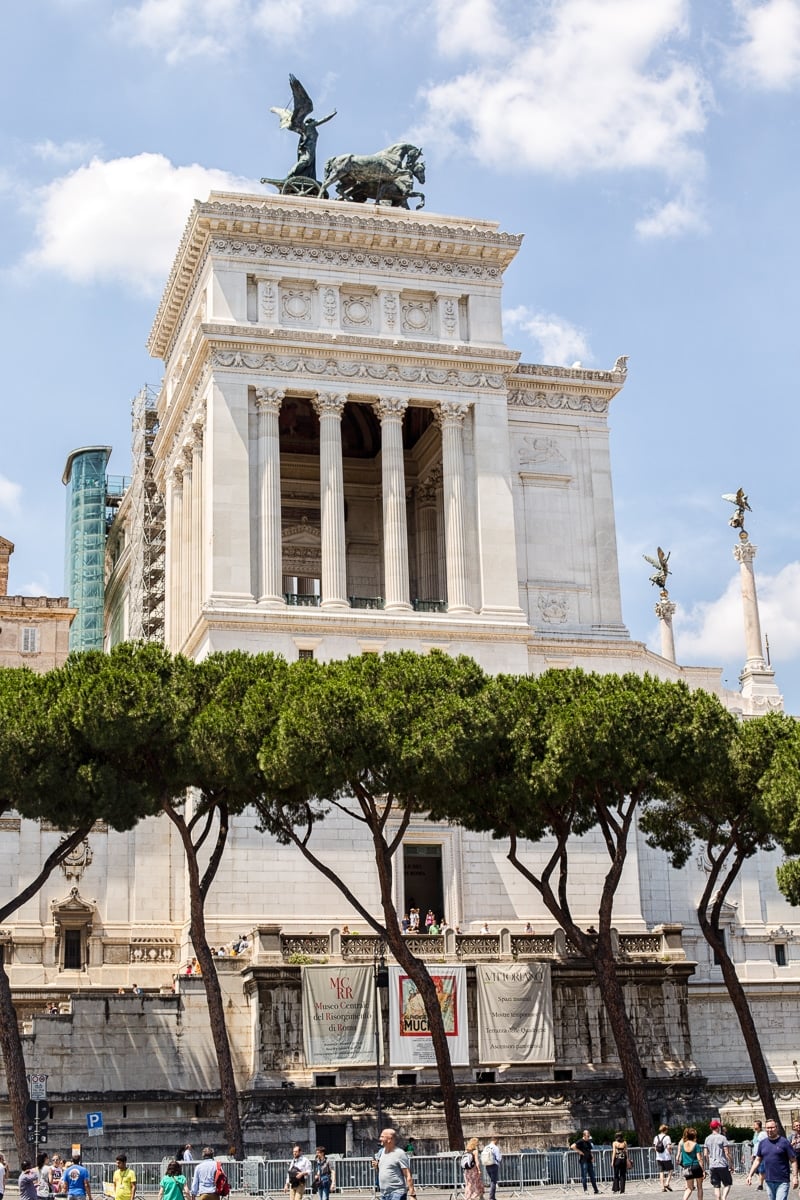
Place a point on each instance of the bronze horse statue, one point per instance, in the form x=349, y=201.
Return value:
x=386, y=177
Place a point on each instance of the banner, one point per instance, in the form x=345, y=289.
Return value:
x=409, y=1040
x=338, y=1016
x=515, y=1014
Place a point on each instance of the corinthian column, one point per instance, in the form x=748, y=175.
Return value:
x=665, y=611
x=197, y=519
x=268, y=407
x=744, y=553
x=451, y=419
x=329, y=407
x=174, y=533
x=395, y=521
x=187, y=550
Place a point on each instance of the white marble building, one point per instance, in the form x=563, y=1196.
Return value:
x=352, y=460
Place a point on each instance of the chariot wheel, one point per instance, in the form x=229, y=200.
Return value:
x=300, y=185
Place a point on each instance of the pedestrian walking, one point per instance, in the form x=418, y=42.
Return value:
x=619, y=1162
x=323, y=1179
x=780, y=1163
x=173, y=1185
x=491, y=1157
x=124, y=1180
x=3, y=1173
x=662, y=1145
x=395, y=1181
x=719, y=1161
x=203, y=1180
x=28, y=1179
x=299, y=1174
x=689, y=1159
x=470, y=1165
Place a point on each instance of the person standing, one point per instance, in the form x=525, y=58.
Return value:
x=203, y=1184
x=394, y=1169
x=28, y=1180
x=324, y=1176
x=780, y=1162
x=491, y=1158
x=719, y=1161
x=795, y=1138
x=3, y=1173
x=76, y=1177
x=299, y=1174
x=662, y=1145
x=173, y=1185
x=758, y=1134
x=187, y=1155
x=124, y=1180
x=44, y=1188
x=470, y=1164
x=619, y=1162
x=689, y=1158
x=584, y=1148
x=57, y=1173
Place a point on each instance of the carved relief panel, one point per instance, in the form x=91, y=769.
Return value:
x=297, y=303
x=417, y=315
x=358, y=311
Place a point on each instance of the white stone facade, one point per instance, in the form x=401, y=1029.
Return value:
x=352, y=460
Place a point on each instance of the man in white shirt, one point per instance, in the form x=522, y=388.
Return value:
x=299, y=1173
x=203, y=1181
x=493, y=1168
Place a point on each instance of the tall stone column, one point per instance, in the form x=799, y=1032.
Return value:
x=187, y=550
x=665, y=611
x=427, y=538
x=451, y=420
x=268, y=407
x=198, y=493
x=395, y=520
x=744, y=553
x=175, y=493
x=329, y=407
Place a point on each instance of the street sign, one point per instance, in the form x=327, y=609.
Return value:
x=37, y=1110
x=94, y=1124
x=37, y=1083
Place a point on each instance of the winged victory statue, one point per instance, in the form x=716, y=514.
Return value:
x=659, y=579
x=739, y=498
x=298, y=119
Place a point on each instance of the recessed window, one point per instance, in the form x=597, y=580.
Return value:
x=562, y=1074
x=305, y=653
x=780, y=954
x=406, y=1078
x=325, y=1080
x=485, y=1076
x=29, y=639
x=72, y=950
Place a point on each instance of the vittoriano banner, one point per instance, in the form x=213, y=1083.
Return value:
x=409, y=1039
x=338, y=1016
x=515, y=1013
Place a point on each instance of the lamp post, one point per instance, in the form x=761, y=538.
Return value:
x=380, y=973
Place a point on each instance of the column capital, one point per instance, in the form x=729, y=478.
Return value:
x=745, y=552
x=329, y=404
x=390, y=408
x=199, y=427
x=428, y=488
x=269, y=399
x=187, y=453
x=176, y=475
x=665, y=610
x=451, y=412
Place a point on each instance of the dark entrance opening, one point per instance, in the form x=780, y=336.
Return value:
x=422, y=881
x=332, y=1137
x=72, y=949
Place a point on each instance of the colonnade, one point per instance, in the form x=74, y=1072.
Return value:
x=329, y=407
x=185, y=555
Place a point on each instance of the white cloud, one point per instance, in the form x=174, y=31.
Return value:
x=681, y=215
x=191, y=29
x=65, y=153
x=10, y=495
x=713, y=631
x=571, y=86
x=120, y=219
x=470, y=27
x=560, y=343
x=768, y=55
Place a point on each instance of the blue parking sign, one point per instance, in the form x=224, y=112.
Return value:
x=94, y=1124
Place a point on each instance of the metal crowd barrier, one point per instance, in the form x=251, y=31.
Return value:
x=520, y=1172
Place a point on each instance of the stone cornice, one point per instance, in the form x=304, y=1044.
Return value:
x=293, y=219
x=573, y=389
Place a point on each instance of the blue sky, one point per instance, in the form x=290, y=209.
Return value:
x=647, y=149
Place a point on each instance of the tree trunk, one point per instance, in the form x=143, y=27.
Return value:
x=743, y=1014
x=14, y=1063
x=216, y=1007
x=605, y=971
x=10, y=1043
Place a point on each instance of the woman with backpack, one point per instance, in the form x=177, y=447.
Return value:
x=473, y=1177
x=663, y=1148
x=691, y=1162
x=619, y=1162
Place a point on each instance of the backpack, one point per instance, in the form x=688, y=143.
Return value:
x=660, y=1144
x=467, y=1161
x=221, y=1185
x=487, y=1157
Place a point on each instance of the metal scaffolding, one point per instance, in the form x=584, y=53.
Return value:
x=145, y=526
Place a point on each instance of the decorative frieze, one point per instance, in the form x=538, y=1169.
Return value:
x=559, y=401
x=316, y=368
